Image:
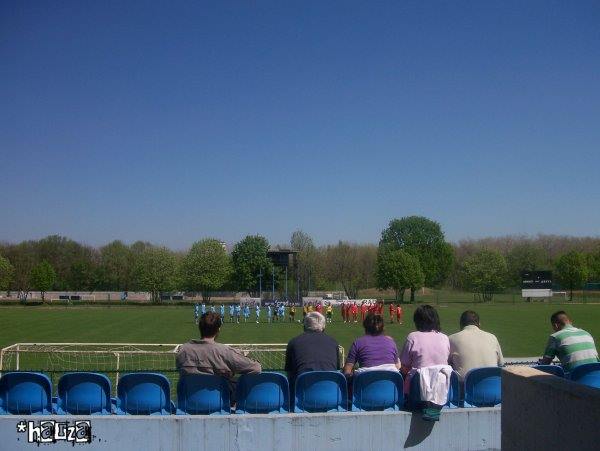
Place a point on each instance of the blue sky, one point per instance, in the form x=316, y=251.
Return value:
x=173, y=121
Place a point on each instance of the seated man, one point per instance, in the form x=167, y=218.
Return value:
x=311, y=351
x=206, y=356
x=572, y=346
x=472, y=347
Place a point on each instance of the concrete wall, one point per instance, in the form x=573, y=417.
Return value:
x=540, y=411
x=458, y=429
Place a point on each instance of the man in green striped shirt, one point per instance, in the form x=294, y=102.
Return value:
x=572, y=346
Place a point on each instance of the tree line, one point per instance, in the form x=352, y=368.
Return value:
x=412, y=253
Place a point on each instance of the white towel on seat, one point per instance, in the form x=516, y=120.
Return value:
x=435, y=383
x=382, y=367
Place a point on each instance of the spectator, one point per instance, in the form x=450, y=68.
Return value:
x=206, y=356
x=428, y=346
x=374, y=350
x=311, y=351
x=472, y=347
x=571, y=345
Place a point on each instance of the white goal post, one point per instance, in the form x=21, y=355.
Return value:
x=115, y=358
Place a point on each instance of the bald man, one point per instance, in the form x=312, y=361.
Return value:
x=571, y=345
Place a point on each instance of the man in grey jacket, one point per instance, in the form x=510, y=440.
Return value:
x=206, y=356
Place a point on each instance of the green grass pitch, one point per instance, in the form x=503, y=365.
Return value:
x=522, y=329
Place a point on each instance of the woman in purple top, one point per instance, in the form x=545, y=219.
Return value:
x=373, y=350
x=428, y=346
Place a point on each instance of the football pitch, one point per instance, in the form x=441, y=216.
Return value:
x=522, y=329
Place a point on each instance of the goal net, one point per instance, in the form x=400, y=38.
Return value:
x=113, y=359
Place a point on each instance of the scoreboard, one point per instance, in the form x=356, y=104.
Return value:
x=536, y=284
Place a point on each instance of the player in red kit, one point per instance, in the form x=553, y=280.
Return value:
x=354, y=310
x=363, y=311
x=399, y=314
x=392, y=312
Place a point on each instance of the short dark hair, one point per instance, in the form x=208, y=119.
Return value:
x=373, y=324
x=560, y=317
x=469, y=318
x=209, y=324
x=426, y=319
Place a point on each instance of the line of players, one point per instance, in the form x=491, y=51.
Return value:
x=351, y=310
x=238, y=313
x=276, y=312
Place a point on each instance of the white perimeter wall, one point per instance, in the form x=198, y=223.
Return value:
x=458, y=429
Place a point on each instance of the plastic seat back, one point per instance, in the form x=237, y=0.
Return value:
x=263, y=393
x=321, y=391
x=587, y=374
x=83, y=394
x=143, y=394
x=483, y=387
x=203, y=394
x=377, y=390
x=551, y=369
x=414, y=395
x=25, y=393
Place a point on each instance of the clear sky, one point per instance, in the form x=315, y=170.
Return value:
x=172, y=121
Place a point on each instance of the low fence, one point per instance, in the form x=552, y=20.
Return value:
x=426, y=296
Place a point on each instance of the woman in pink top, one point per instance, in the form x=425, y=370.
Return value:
x=427, y=346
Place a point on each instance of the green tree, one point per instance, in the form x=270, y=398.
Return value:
x=572, y=271
x=398, y=270
x=43, y=277
x=22, y=256
x=82, y=275
x=351, y=266
x=6, y=273
x=155, y=271
x=62, y=253
x=249, y=259
x=115, y=270
x=424, y=239
x=307, y=260
x=593, y=264
x=206, y=267
x=485, y=272
x=524, y=256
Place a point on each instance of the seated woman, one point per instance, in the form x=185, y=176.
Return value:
x=428, y=346
x=374, y=350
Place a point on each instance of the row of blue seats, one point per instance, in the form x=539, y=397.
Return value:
x=149, y=393
x=318, y=391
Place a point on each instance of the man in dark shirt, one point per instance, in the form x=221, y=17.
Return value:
x=311, y=351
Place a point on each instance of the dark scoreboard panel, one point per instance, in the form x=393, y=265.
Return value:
x=536, y=280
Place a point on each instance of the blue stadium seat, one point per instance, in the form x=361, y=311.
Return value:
x=377, y=390
x=587, y=374
x=202, y=394
x=143, y=394
x=483, y=387
x=83, y=394
x=321, y=391
x=25, y=393
x=414, y=395
x=555, y=370
x=263, y=393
